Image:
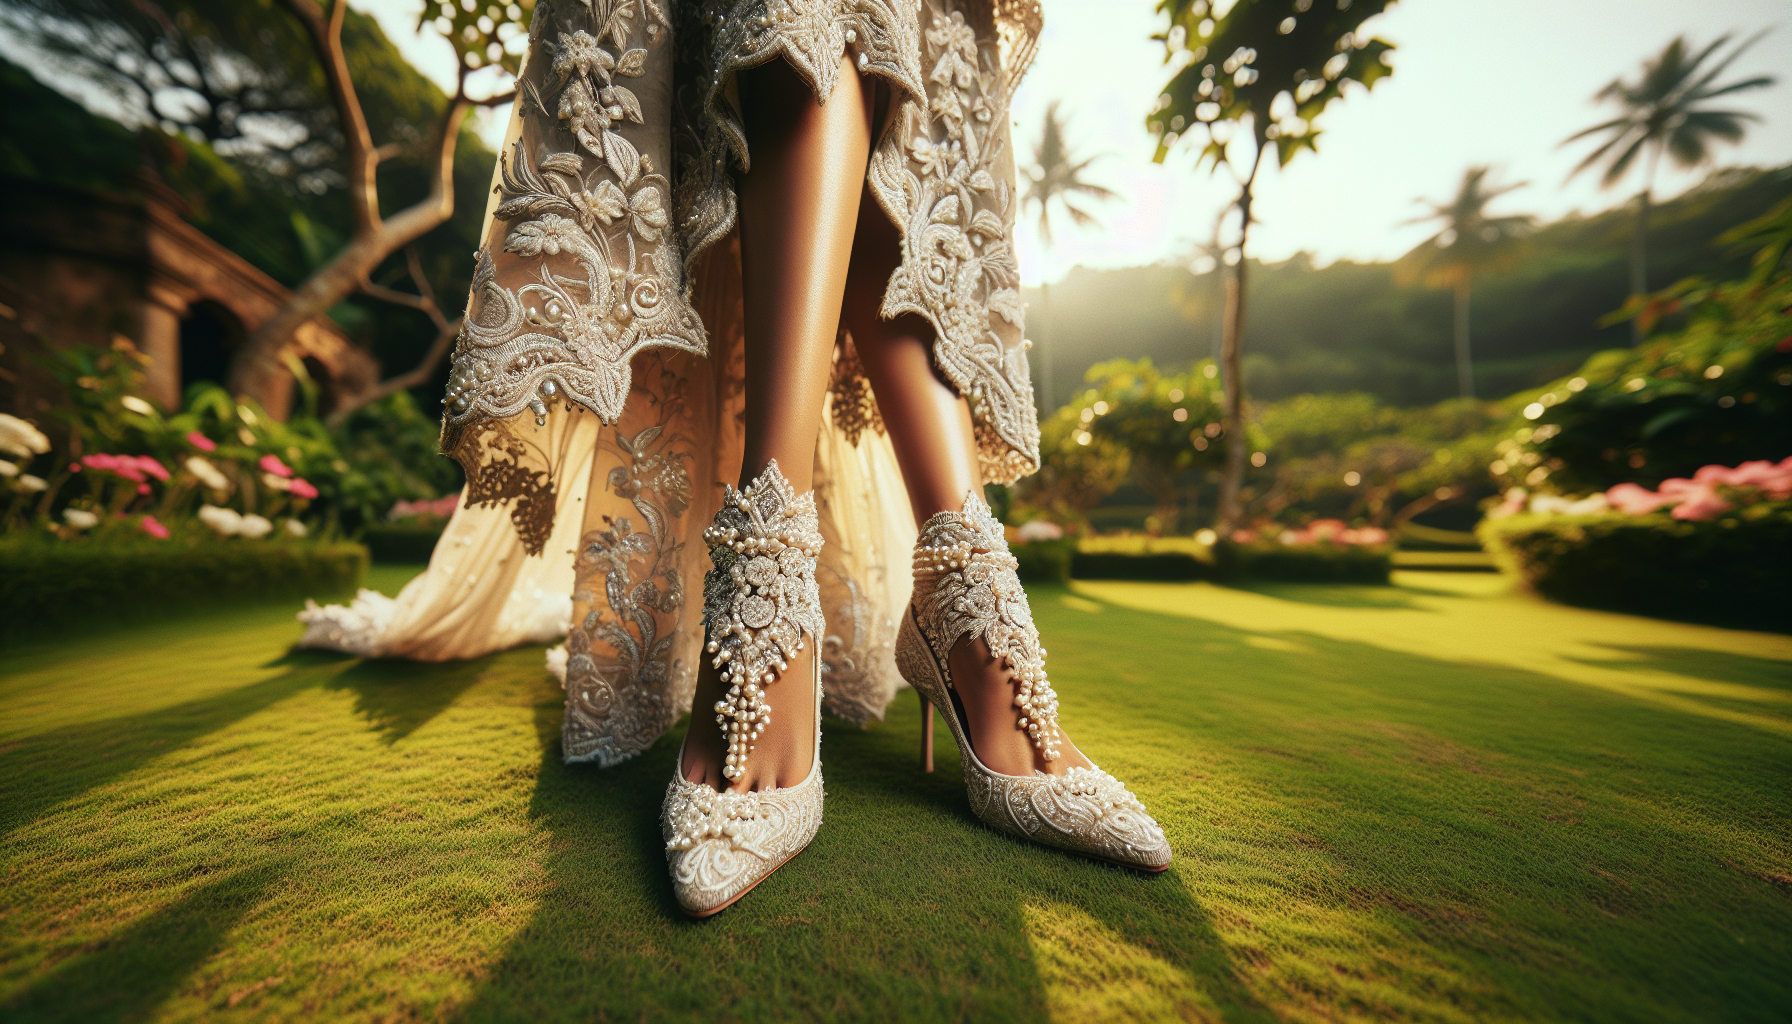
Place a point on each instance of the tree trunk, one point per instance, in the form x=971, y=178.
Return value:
x=1639, y=262
x=1465, y=367
x=1045, y=350
x=1231, y=377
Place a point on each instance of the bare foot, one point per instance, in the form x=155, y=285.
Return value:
x=783, y=754
x=987, y=695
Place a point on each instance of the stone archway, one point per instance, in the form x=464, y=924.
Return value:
x=138, y=270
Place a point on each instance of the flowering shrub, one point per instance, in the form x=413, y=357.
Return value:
x=434, y=508
x=108, y=463
x=1332, y=531
x=1711, y=492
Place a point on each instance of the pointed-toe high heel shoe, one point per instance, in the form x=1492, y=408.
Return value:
x=759, y=602
x=966, y=587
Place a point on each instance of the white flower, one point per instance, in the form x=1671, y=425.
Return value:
x=8, y=468
x=1039, y=529
x=254, y=527
x=33, y=483
x=207, y=473
x=21, y=438
x=276, y=483
x=296, y=528
x=223, y=521
x=137, y=405
x=1593, y=504
x=80, y=519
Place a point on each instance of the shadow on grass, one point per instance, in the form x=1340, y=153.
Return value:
x=902, y=908
x=399, y=697
x=42, y=771
x=1341, y=595
x=130, y=973
x=1700, y=663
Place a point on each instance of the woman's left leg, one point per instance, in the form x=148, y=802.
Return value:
x=930, y=428
x=798, y=205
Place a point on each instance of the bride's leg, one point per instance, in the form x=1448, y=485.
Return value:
x=930, y=428
x=798, y=205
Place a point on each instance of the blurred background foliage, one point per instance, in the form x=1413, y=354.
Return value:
x=1355, y=327
x=251, y=143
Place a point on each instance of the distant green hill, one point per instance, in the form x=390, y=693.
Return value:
x=1351, y=327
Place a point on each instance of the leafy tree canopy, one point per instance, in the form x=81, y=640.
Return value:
x=1277, y=63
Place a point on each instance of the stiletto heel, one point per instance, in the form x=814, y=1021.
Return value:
x=966, y=586
x=926, y=733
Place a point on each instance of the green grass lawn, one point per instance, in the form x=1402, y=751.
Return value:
x=1431, y=801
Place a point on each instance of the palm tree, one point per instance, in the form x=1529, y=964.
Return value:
x=1056, y=177
x=1469, y=243
x=1666, y=111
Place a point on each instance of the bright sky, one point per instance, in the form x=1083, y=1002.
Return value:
x=1477, y=81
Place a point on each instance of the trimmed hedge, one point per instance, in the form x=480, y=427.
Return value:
x=55, y=585
x=401, y=543
x=1045, y=561
x=1308, y=563
x=1180, y=558
x=1735, y=571
x=1154, y=565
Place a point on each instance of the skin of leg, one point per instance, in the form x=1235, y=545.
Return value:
x=798, y=205
x=930, y=428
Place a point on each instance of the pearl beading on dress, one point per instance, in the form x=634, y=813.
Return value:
x=966, y=584
x=759, y=600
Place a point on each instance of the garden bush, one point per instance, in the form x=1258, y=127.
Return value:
x=1304, y=563
x=405, y=542
x=55, y=584
x=1732, y=571
x=1045, y=561
x=1135, y=557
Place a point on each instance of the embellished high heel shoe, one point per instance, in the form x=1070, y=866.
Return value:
x=758, y=602
x=966, y=586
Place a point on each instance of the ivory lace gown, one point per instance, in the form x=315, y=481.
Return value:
x=595, y=399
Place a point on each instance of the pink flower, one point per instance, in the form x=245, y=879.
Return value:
x=201, y=442
x=1634, y=500
x=1244, y=536
x=152, y=467
x=153, y=528
x=1699, y=502
x=301, y=489
x=142, y=488
x=120, y=465
x=272, y=464
x=1772, y=478
x=1325, y=529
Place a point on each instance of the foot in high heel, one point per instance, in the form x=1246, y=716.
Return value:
x=966, y=587
x=760, y=600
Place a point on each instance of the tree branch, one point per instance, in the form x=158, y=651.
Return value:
x=392, y=385
x=326, y=39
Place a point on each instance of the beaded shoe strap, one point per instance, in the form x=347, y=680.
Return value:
x=966, y=585
x=759, y=600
